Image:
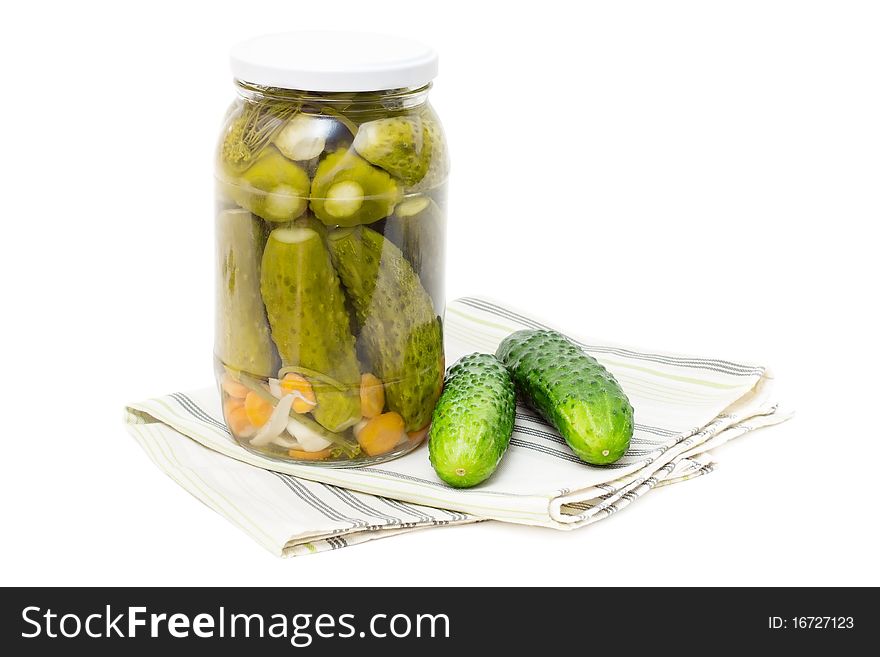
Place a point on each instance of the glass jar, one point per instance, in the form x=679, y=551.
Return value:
x=330, y=243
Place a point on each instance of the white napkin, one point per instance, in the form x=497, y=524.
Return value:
x=684, y=406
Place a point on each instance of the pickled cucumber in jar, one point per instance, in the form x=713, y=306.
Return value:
x=273, y=187
x=417, y=228
x=242, y=329
x=399, y=330
x=310, y=325
x=349, y=191
x=330, y=233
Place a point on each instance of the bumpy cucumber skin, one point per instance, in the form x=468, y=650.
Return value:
x=572, y=391
x=242, y=331
x=400, y=333
x=381, y=191
x=401, y=145
x=473, y=421
x=310, y=325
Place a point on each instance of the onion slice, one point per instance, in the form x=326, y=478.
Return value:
x=286, y=443
x=276, y=424
x=309, y=439
x=275, y=388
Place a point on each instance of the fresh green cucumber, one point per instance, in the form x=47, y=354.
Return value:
x=572, y=391
x=473, y=421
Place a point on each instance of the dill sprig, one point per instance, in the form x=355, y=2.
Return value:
x=255, y=126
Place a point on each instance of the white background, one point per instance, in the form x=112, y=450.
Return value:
x=692, y=176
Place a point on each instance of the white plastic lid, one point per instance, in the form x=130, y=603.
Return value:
x=334, y=61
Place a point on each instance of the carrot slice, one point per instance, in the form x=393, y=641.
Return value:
x=258, y=409
x=233, y=388
x=380, y=434
x=372, y=395
x=293, y=382
x=231, y=403
x=238, y=422
x=309, y=456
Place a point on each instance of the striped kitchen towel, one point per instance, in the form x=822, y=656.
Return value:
x=684, y=407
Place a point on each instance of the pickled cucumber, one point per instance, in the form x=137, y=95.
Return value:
x=572, y=391
x=308, y=221
x=273, y=187
x=242, y=331
x=399, y=331
x=438, y=170
x=348, y=190
x=310, y=325
x=417, y=228
x=399, y=144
